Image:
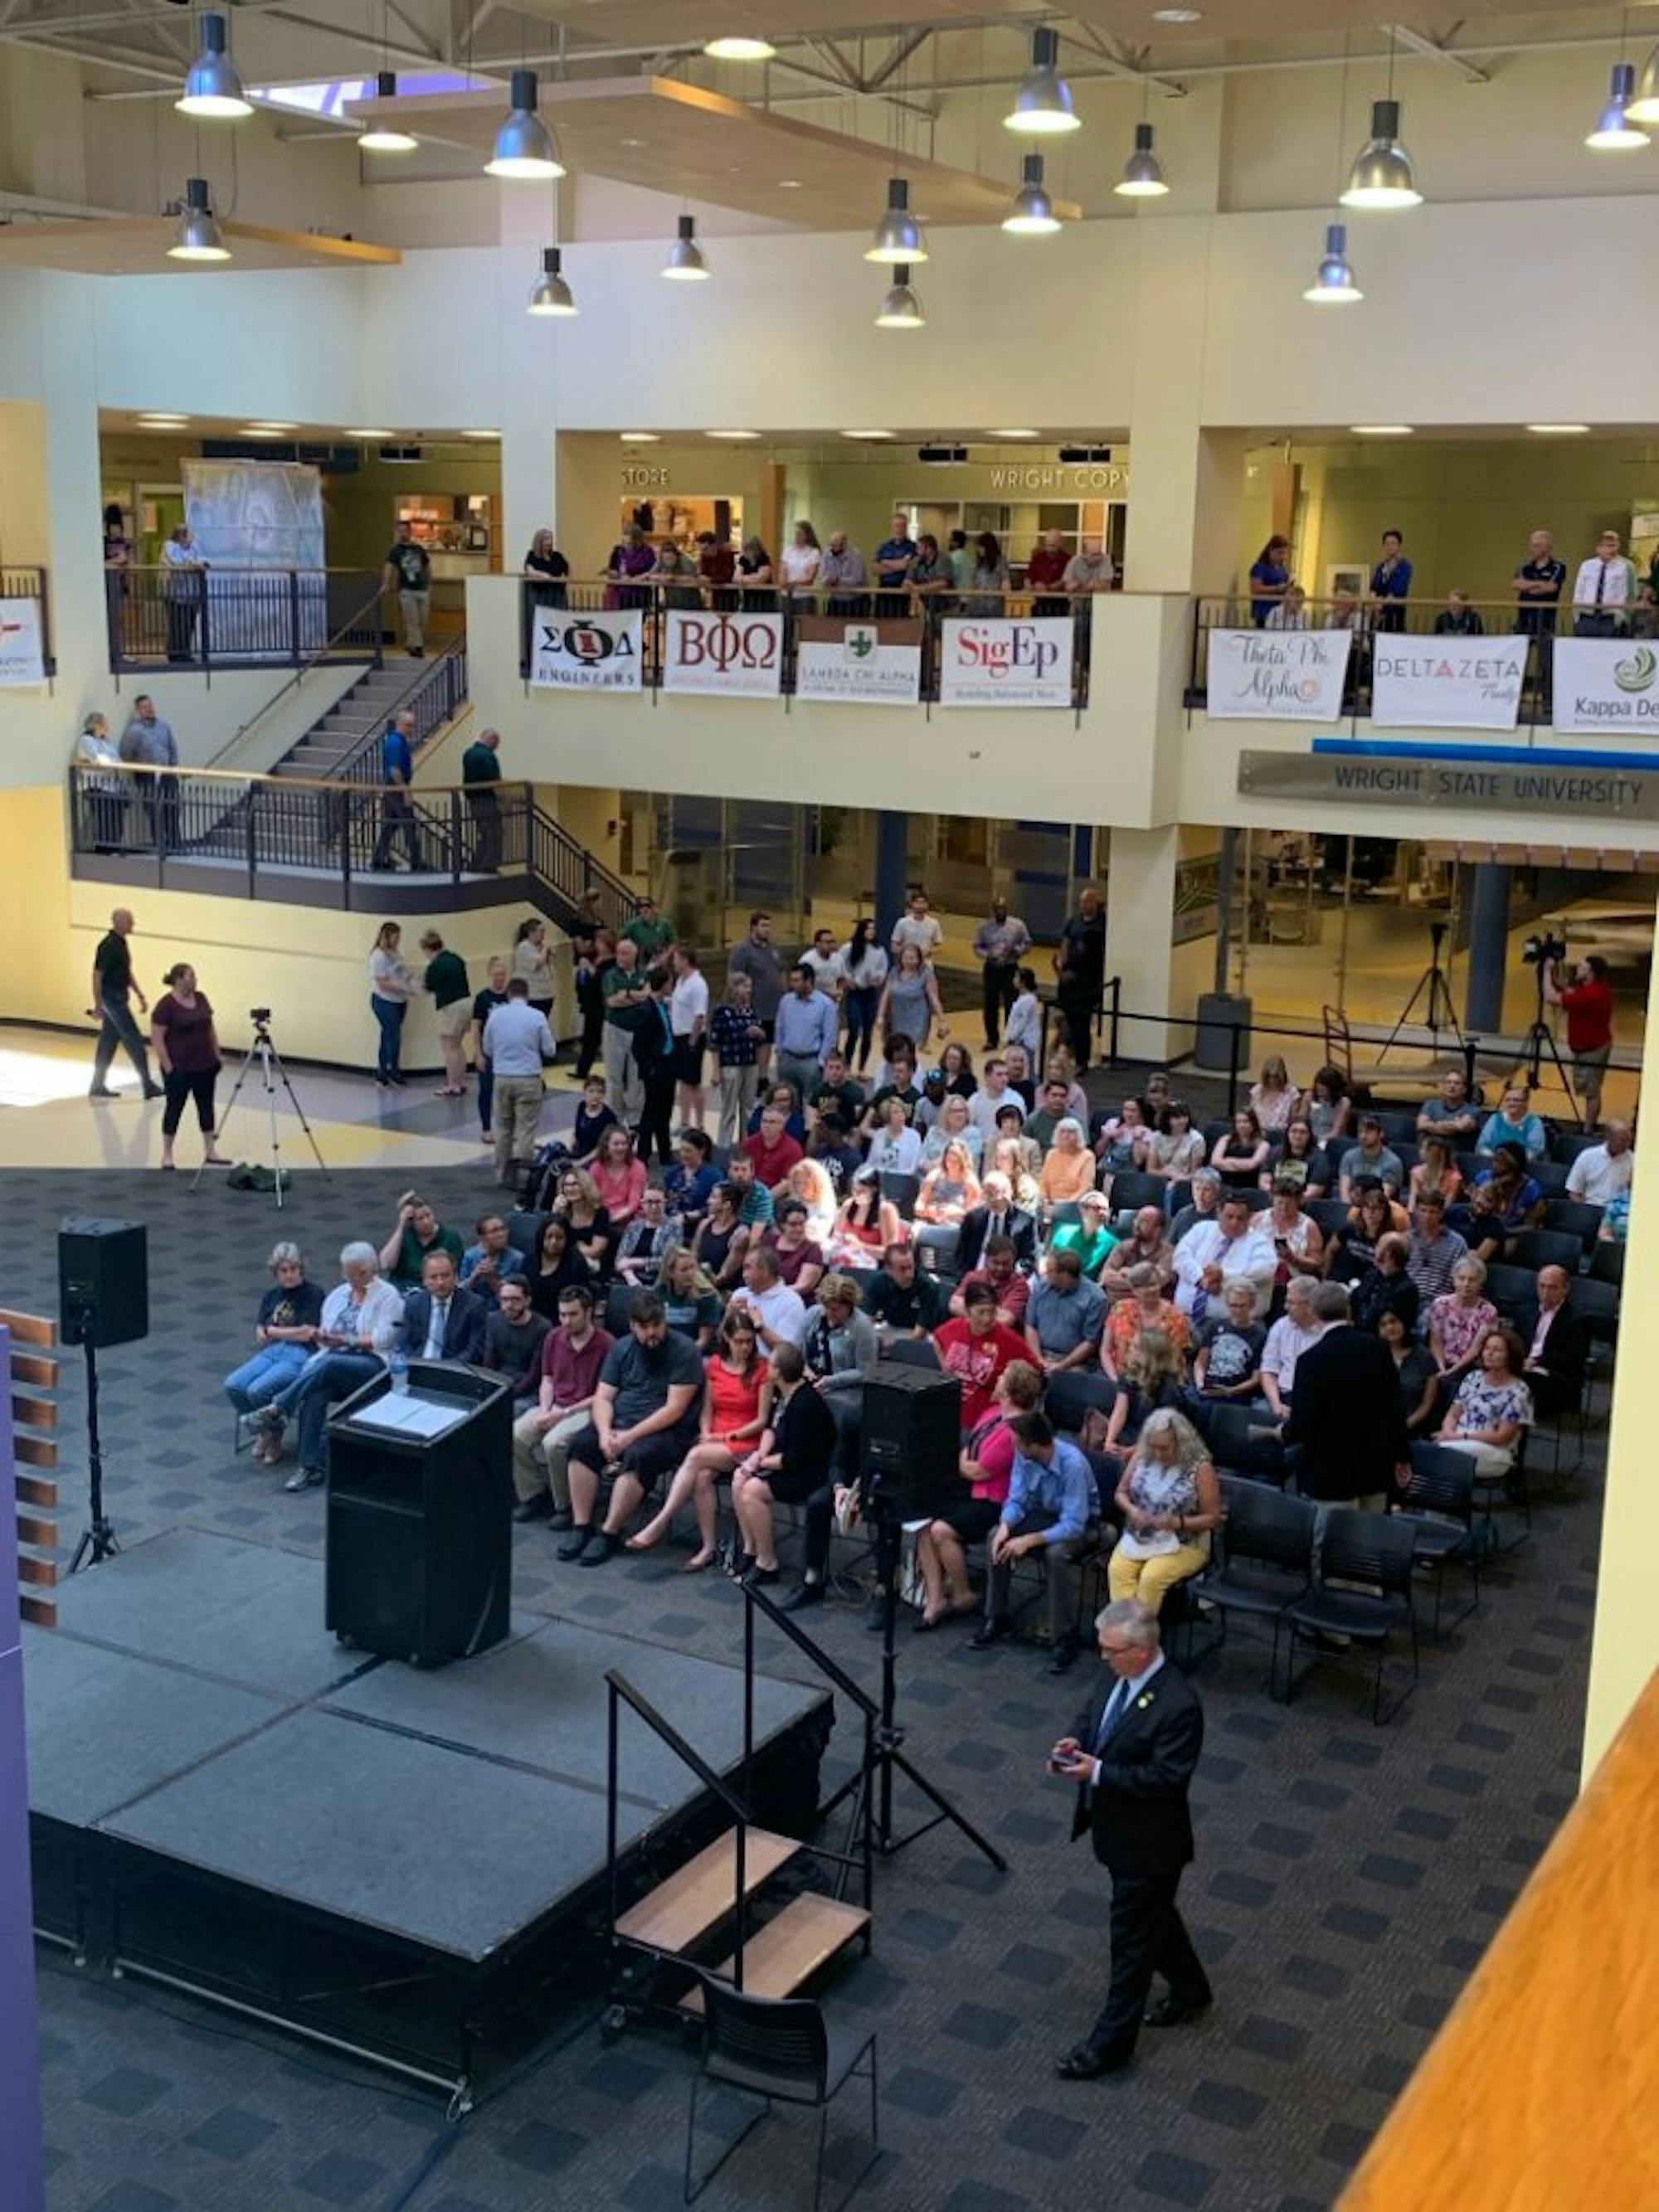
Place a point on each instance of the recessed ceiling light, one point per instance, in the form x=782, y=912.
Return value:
x=1382, y=430
x=873, y=435
x=640, y=438
x=1177, y=15
x=1013, y=433
x=632, y=144
x=368, y=434
x=481, y=434
x=270, y=422
x=249, y=431
x=790, y=185
x=734, y=435
x=1558, y=429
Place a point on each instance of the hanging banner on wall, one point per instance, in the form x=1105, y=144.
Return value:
x=1005, y=661
x=590, y=652
x=1276, y=675
x=1607, y=685
x=740, y=655
x=22, y=658
x=874, y=664
x=1447, y=682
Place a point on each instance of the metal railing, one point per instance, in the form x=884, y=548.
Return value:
x=433, y=694
x=32, y=583
x=208, y=618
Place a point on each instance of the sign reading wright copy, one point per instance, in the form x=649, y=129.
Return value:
x=1276, y=675
x=1003, y=661
x=1407, y=780
x=589, y=653
x=1447, y=682
x=740, y=655
x=21, y=656
x=1607, y=684
x=865, y=663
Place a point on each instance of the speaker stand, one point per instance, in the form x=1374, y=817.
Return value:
x=98, y=1539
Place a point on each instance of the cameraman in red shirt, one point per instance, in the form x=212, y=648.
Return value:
x=1587, y=1001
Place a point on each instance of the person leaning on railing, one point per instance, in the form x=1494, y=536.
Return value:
x=989, y=579
x=548, y=570
x=95, y=755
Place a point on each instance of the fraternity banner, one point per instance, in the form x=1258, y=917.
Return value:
x=1002, y=660
x=740, y=655
x=590, y=653
x=1607, y=685
x=1276, y=675
x=871, y=664
x=1447, y=682
x=22, y=658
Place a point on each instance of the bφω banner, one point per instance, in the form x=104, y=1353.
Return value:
x=1607, y=684
x=853, y=662
x=739, y=655
x=1447, y=682
x=21, y=657
x=1001, y=661
x=592, y=653
x=1276, y=675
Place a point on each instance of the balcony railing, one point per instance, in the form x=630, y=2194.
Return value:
x=197, y=618
x=27, y=583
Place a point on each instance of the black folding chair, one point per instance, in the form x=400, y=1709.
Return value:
x=902, y=1191
x=1571, y=1217
x=1129, y=1188
x=911, y=1352
x=1438, y=1504
x=1375, y=1551
x=1533, y=1249
x=1606, y=1263
x=1243, y=1443
x=1263, y=1562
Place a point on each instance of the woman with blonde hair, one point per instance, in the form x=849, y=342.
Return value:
x=1273, y=1098
x=1068, y=1166
x=390, y=988
x=583, y=1212
x=1170, y=1503
x=986, y=1464
x=949, y=1190
x=809, y=1181
x=1150, y=1377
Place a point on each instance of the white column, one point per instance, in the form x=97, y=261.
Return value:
x=1140, y=923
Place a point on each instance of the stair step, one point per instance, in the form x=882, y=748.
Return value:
x=778, y=1959
x=678, y=1912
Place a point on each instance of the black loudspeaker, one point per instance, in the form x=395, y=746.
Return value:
x=103, y=1280
x=912, y=1440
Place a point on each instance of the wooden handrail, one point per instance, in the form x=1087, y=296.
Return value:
x=417, y=792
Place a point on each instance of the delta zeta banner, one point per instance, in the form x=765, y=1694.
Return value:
x=1276, y=675
x=740, y=655
x=21, y=656
x=1005, y=661
x=590, y=652
x=1447, y=682
x=1607, y=685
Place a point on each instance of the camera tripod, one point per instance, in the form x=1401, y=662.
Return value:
x=1438, y=1012
x=272, y=1072
x=1539, y=1045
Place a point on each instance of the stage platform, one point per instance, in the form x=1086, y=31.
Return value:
x=223, y=1797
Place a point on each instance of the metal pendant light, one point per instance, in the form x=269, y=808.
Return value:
x=198, y=237
x=898, y=239
x=212, y=85
x=550, y=295
x=901, y=310
x=524, y=147
x=1615, y=133
x=1042, y=106
x=685, y=264
x=1644, y=108
x=1143, y=173
x=1382, y=175
x=1032, y=214
x=1333, y=285
x=382, y=137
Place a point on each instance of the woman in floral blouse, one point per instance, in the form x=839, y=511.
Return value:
x=1460, y=1317
x=1492, y=1407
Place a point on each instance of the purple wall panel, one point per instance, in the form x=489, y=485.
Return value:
x=21, y=2186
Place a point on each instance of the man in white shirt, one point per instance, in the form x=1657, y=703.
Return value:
x=1290, y=1335
x=516, y=1042
x=1602, y=1171
x=779, y=1314
x=917, y=926
x=1212, y=1250
x=994, y=1092
x=1604, y=590
x=688, y=1015
x=828, y=966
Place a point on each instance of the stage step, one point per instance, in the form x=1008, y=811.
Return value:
x=780, y=1958
x=681, y=1911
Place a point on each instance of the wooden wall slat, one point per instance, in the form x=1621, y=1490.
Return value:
x=35, y=1451
x=40, y=1611
x=43, y=1573
x=26, y=1367
x=32, y=1412
x=32, y=1490
x=43, y=1534
x=29, y=1328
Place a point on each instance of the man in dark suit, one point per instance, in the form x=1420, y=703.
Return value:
x=658, y=1067
x=1132, y=1755
x=1557, y=1340
x=998, y=1216
x=440, y=1320
x=1345, y=1413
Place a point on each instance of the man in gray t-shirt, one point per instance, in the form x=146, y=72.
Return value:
x=644, y=1421
x=754, y=957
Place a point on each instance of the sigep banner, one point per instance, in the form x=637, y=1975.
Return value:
x=592, y=653
x=21, y=659
x=1000, y=660
x=872, y=663
x=1276, y=675
x=1607, y=685
x=740, y=655
x=1447, y=682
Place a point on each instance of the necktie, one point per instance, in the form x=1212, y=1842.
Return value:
x=434, y=1334
x=1113, y=1714
x=1600, y=583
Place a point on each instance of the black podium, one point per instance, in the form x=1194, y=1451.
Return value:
x=420, y=1515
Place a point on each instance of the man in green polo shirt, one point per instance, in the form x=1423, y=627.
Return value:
x=625, y=992
x=649, y=931
x=480, y=771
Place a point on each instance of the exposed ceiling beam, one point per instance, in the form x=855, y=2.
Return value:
x=434, y=53
x=103, y=58
x=902, y=50
x=1114, y=64
x=1433, y=50
x=414, y=57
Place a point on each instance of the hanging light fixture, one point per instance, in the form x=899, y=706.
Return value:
x=1645, y=108
x=524, y=147
x=1032, y=214
x=550, y=295
x=381, y=135
x=1333, y=285
x=1382, y=175
x=898, y=239
x=685, y=264
x=1042, y=106
x=1143, y=173
x=1615, y=133
x=738, y=50
x=212, y=85
x=901, y=310
x=197, y=237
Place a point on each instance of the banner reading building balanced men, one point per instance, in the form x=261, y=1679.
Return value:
x=590, y=652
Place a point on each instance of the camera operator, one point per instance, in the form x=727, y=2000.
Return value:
x=1587, y=1001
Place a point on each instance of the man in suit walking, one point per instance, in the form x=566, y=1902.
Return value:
x=1132, y=1756
x=1346, y=1413
x=440, y=1320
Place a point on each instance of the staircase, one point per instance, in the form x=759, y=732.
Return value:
x=359, y=713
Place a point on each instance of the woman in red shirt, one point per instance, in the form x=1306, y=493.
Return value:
x=976, y=1349
x=986, y=1465
x=736, y=1405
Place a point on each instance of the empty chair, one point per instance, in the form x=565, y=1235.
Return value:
x=1374, y=1551
x=1399, y=1126
x=1181, y=1193
x=1550, y=1176
x=1129, y=1188
x=1566, y=1145
x=1264, y=1561
x=1571, y=1216
x=1214, y=1131
x=524, y=1233
x=1508, y=1287
x=1533, y=1249
x=1439, y=1503
x=1608, y=1262
x=784, y=2051
x=903, y=1191
x=1329, y=1212
x=618, y=1303
x=1243, y=1442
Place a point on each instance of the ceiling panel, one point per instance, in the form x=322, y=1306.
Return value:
x=1133, y=21
x=682, y=140
x=137, y=245
x=642, y=23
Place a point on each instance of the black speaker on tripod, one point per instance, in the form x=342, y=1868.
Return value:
x=912, y=1441
x=103, y=1280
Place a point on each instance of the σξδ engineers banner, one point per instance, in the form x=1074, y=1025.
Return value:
x=740, y=655
x=1607, y=684
x=590, y=652
x=867, y=664
x=1276, y=675
x=1447, y=682
x=1003, y=661
x=21, y=657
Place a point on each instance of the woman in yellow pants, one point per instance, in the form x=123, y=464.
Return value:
x=1170, y=1501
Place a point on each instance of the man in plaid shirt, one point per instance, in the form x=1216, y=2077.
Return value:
x=736, y=1037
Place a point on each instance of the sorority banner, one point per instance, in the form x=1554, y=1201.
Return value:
x=20, y=654
x=1607, y=684
x=1277, y=675
x=874, y=664
x=1447, y=682
x=1002, y=661
x=740, y=655
x=592, y=653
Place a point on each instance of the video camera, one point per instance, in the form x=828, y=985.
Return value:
x=1543, y=948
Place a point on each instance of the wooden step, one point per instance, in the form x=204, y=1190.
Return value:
x=781, y=1957
x=679, y=1911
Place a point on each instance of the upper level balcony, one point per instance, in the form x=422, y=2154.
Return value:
x=202, y=619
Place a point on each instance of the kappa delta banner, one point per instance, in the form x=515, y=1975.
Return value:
x=872, y=663
x=1276, y=675
x=1447, y=682
x=589, y=652
x=1003, y=662
x=1607, y=685
x=740, y=655
x=21, y=656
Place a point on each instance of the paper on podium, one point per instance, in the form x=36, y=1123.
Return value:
x=401, y=1413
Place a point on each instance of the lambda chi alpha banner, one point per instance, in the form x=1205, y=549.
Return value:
x=740, y=655
x=872, y=663
x=591, y=652
x=1447, y=682
x=1277, y=675
x=1607, y=685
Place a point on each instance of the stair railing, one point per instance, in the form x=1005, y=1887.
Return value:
x=358, y=617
